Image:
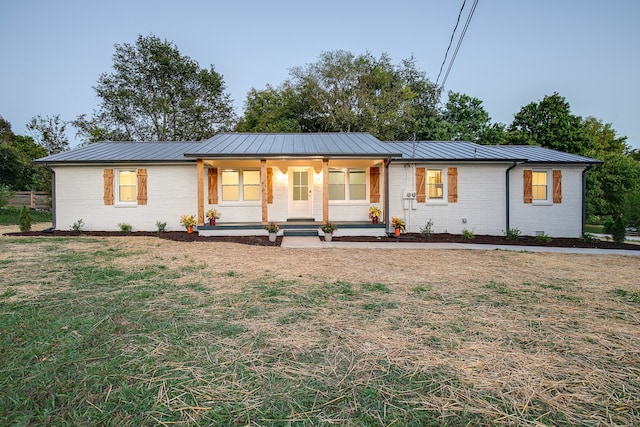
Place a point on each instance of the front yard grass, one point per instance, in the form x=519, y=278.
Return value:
x=120, y=332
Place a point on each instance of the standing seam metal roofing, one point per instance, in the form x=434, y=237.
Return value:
x=464, y=150
x=293, y=145
x=124, y=152
x=311, y=145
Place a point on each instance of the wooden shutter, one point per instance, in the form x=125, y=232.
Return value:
x=527, y=178
x=557, y=186
x=269, y=185
x=374, y=185
x=142, y=186
x=421, y=195
x=108, y=186
x=212, y=183
x=452, y=185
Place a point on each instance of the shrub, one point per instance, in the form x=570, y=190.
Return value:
x=124, y=227
x=589, y=238
x=608, y=226
x=618, y=232
x=543, y=238
x=468, y=235
x=161, y=226
x=78, y=226
x=427, y=229
x=512, y=234
x=25, y=220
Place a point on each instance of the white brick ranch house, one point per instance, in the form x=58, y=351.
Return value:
x=304, y=180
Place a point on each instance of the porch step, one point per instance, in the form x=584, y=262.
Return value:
x=300, y=232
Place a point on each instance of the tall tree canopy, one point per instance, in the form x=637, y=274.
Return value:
x=16, y=170
x=342, y=92
x=618, y=178
x=49, y=133
x=463, y=118
x=156, y=94
x=549, y=123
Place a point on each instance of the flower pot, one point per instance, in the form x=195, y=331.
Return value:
x=272, y=237
x=327, y=237
x=374, y=220
x=396, y=232
x=190, y=229
x=212, y=221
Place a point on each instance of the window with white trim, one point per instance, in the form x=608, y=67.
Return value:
x=347, y=184
x=540, y=185
x=240, y=185
x=127, y=186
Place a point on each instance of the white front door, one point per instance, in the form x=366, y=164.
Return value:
x=300, y=192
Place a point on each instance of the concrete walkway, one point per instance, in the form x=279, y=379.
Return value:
x=314, y=242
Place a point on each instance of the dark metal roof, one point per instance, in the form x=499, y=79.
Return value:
x=535, y=154
x=234, y=145
x=449, y=150
x=345, y=145
x=123, y=152
x=469, y=151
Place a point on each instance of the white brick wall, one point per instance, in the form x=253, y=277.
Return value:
x=556, y=220
x=482, y=202
x=79, y=195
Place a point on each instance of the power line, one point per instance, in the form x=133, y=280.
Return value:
x=464, y=31
x=451, y=41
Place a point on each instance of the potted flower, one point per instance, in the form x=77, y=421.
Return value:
x=398, y=225
x=328, y=229
x=375, y=214
x=212, y=215
x=188, y=221
x=272, y=228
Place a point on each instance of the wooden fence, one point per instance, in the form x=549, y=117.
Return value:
x=31, y=199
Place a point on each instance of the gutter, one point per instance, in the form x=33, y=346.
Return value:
x=507, y=198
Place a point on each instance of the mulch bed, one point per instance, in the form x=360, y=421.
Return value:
x=492, y=240
x=182, y=236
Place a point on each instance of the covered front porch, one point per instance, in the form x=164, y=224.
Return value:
x=299, y=194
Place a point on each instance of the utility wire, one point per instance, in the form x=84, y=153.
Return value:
x=464, y=31
x=450, y=41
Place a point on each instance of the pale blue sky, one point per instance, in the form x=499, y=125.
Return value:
x=514, y=52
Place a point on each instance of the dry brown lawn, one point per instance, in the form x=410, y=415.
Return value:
x=552, y=338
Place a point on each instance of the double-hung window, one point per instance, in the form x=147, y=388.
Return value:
x=347, y=184
x=127, y=186
x=240, y=185
x=540, y=185
x=435, y=184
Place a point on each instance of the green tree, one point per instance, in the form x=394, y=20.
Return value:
x=156, y=94
x=609, y=184
x=631, y=208
x=463, y=118
x=49, y=133
x=343, y=92
x=549, y=123
x=17, y=172
x=272, y=110
x=603, y=138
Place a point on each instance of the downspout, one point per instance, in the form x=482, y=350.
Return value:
x=386, y=194
x=584, y=197
x=507, y=198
